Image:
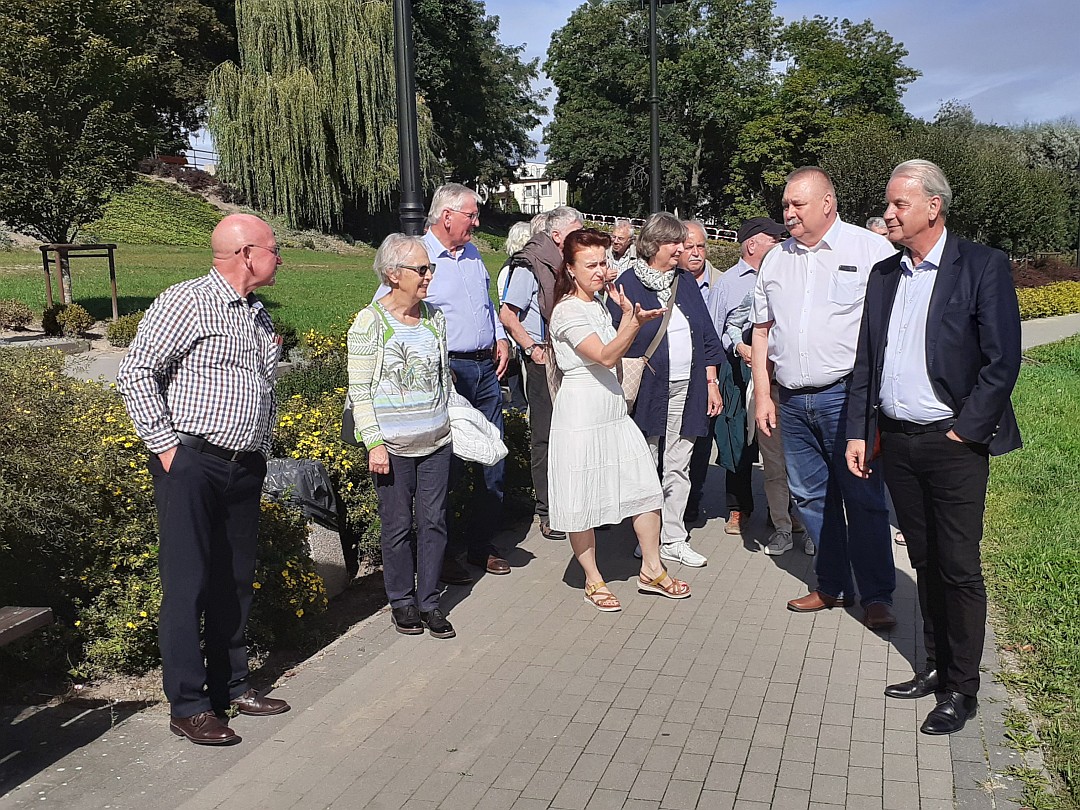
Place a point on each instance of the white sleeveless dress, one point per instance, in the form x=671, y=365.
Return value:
x=600, y=469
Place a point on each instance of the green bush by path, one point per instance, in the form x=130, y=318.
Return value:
x=1032, y=550
x=153, y=212
x=1062, y=298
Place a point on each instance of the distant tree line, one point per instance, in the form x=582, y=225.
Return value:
x=732, y=125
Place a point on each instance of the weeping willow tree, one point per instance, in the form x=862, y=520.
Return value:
x=306, y=124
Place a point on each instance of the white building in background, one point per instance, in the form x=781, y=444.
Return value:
x=535, y=192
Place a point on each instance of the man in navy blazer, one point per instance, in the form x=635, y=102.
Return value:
x=938, y=355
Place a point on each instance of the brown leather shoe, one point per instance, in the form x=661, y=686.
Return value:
x=251, y=704
x=816, y=600
x=879, y=616
x=204, y=728
x=497, y=565
x=734, y=524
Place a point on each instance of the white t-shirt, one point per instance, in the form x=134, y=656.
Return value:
x=680, y=347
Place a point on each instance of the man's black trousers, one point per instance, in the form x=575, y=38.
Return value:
x=938, y=489
x=536, y=387
x=208, y=519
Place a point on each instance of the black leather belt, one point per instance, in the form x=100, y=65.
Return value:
x=890, y=425
x=479, y=357
x=201, y=445
x=819, y=389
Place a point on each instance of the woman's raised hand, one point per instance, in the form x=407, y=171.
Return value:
x=645, y=315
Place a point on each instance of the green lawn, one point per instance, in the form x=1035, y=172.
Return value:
x=314, y=290
x=1032, y=551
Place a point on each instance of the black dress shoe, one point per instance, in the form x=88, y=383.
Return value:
x=924, y=683
x=406, y=620
x=250, y=703
x=437, y=624
x=454, y=573
x=204, y=728
x=950, y=715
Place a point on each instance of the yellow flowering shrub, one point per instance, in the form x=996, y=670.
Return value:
x=78, y=527
x=1062, y=298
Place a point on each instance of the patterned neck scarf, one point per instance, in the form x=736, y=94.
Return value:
x=659, y=283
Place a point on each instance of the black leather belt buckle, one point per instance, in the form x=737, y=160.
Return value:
x=201, y=445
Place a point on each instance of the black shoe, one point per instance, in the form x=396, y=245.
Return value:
x=950, y=715
x=454, y=573
x=924, y=683
x=437, y=624
x=550, y=533
x=406, y=620
x=691, y=513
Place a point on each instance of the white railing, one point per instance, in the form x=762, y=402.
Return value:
x=711, y=231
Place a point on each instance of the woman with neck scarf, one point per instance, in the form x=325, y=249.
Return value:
x=679, y=391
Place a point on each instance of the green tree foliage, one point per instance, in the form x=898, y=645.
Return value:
x=478, y=90
x=305, y=124
x=714, y=63
x=86, y=88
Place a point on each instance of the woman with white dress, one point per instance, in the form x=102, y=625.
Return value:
x=600, y=467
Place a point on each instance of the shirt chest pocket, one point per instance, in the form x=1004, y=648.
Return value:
x=845, y=288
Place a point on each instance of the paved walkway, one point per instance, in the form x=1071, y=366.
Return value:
x=725, y=700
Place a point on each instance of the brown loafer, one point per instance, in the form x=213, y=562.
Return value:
x=816, y=600
x=493, y=564
x=252, y=704
x=879, y=616
x=204, y=728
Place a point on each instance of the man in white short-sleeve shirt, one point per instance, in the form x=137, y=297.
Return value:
x=807, y=313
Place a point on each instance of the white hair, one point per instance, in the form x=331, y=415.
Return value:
x=538, y=223
x=559, y=218
x=452, y=196
x=395, y=250
x=623, y=223
x=519, y=234
x=930, y=177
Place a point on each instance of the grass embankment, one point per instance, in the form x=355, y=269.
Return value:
x=314, y=290
x=1032, y=552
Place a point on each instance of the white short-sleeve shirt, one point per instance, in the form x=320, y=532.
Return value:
x=814, y=299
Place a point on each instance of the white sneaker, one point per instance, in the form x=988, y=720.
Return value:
x=808, y=547
x=637, y=551
x=681, y=552
x=779, y=542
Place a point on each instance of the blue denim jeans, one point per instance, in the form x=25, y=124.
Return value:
x=825, y=491
x=477, y=382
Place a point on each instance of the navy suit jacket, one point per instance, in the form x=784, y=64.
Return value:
x=972, y=344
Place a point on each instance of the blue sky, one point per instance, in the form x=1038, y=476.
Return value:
x=1011, y=60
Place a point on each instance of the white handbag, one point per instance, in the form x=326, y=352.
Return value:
x=474, y=438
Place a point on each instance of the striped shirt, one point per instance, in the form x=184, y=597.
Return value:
x=203, y=362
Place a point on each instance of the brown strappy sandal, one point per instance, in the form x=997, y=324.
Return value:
x=598, y=595
x=664, y=585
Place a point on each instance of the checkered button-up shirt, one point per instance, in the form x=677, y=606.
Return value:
x=203, y=363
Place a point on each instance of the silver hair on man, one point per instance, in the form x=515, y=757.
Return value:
x=519, y=234
x=930, y=177
x=562, y=217
x=875, y=224
x=538, y=223
x=660, y=228
x=395, y=251
x=452, y=196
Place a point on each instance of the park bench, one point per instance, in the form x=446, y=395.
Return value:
x=16, y=622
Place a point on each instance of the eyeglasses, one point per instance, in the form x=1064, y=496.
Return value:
x=473, y=216
x=275, y=249
x=422, y=270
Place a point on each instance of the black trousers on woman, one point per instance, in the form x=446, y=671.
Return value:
x=938, y=489
x=208, y=521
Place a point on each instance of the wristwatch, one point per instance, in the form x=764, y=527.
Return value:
x=712, y=380
x=529, y=351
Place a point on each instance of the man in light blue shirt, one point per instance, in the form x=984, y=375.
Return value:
x=478, y=352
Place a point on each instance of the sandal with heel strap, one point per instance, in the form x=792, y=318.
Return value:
x=598, y=595
x=664, y=585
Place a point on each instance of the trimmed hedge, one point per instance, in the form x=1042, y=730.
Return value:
x=153, y=212
x=1062, y=298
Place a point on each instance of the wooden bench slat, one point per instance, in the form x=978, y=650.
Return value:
x=16, y=622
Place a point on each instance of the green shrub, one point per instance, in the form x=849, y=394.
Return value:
x=14, y=314
x=74, y=320
x=121, y=332
x=290, y=338
x=78, y=529
x=154, y=212
x=1062, y=298
x=724, y=254
x=50, y=323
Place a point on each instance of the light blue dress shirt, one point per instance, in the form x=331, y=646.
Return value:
x=460, y=289
x=906, y=391
x=737, y=296
x=522, y=292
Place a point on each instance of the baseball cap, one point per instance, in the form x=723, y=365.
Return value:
x=752, y=227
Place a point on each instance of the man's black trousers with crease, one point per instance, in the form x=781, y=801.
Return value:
x=938, y=489
x=539, y=431
x=208, y=518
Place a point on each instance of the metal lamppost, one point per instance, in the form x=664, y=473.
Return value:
x=654, y=106
x=411, y=205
